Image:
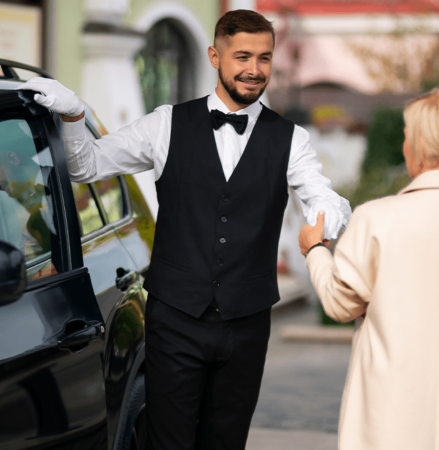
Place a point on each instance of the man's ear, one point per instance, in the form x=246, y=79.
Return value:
x=213, y=56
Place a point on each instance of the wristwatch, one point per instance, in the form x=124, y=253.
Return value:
x=320, y=244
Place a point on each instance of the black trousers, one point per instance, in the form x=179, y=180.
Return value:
x=202, y=377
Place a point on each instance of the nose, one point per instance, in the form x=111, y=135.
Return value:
x=253, y=67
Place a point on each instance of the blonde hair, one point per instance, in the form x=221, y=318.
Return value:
x=421, y=118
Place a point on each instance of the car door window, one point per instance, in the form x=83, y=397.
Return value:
x=89, y=217
x=109, y=192
x=111, y=196
x=27, y=218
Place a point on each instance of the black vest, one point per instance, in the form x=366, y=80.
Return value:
x=219, y=239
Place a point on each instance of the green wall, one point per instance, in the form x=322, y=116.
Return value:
x=69, y=55
x=207, y=11
x=70, y=16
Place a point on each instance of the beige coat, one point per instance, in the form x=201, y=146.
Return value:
x=386, y=268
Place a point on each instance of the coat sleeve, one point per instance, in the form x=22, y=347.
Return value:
x=345, y=282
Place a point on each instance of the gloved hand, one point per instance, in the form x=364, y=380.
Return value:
x=334, y=219
x=56, y=97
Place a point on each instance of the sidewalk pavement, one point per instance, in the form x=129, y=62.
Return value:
x=293, y=289
x=269, y=439
x=316, y=333
x=296, y=321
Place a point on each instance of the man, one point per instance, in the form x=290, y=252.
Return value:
x=222, y=166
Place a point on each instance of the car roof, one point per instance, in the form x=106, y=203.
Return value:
x=6, y=84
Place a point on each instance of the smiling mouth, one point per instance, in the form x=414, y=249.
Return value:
x=251, y=82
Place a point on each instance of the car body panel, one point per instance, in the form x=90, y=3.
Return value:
x=126, y=335
x=53, y=343
x=34, y=369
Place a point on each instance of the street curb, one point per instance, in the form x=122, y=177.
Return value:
x=318, y=334
x=263, y=439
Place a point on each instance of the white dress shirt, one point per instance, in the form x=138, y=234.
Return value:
x=144, y=145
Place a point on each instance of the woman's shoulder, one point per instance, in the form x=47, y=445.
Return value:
x=384, y=216
x=376, y=204
x=380, y=213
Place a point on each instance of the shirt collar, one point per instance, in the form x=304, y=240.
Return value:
x=253, y=110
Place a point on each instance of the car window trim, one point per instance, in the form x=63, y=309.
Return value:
x=37, y=260
x=71, y=223
x=29, y=110
x=59, y=206
x=109, y=227
x=97, y=198
x=41, y=282
x=127, y=207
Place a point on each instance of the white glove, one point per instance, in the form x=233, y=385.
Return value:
x=334, y=219
x=56, y=97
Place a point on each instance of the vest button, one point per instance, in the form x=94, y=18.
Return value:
x=225, y=198
x=222, y=240
x=216, y=283
x=224, y=219
x=219, y=262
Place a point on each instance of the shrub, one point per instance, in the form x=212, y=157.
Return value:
x=384, y=140
x=383, y=170
x=376, y=183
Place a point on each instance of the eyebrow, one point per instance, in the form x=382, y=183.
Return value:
x=244, y=52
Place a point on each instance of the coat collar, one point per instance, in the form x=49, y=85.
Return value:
x=427, y=180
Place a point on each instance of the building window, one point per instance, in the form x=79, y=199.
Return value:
x=165, y=66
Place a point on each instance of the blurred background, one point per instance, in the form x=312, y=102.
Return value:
x=343, y=69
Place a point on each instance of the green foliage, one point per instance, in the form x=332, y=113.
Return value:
x=384, y=140
x=376, y=183
x=383, y=171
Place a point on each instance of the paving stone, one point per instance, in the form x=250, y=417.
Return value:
x=303, y=382
x=263, y=439
x=315, y=333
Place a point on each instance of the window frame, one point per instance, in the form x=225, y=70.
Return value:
x=127, y=208
x=20, y=104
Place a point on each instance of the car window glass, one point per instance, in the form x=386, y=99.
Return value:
x=89, y=217
x=110, y=193
x=26, y=196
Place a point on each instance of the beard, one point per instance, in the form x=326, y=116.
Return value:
x=232, y=90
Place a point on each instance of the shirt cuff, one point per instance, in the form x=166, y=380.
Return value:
x=73, y=131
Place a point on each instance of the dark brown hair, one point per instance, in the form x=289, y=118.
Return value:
x=242, y=20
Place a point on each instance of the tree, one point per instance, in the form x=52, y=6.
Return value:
x=400, y=61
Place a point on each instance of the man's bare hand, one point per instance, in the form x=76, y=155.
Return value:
x=312, y=235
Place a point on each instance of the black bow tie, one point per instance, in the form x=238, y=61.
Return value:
x=239, y=122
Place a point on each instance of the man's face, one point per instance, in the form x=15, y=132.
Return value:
x=244, y=65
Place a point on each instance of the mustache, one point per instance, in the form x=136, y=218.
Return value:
x=244, y=79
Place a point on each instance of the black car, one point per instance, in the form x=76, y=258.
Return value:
x=72, y=261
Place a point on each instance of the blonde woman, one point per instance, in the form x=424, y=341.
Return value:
x=385, y=274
